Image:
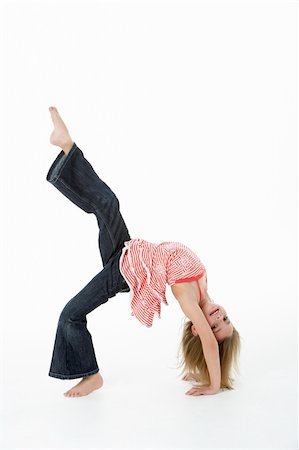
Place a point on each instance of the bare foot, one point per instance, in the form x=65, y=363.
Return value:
x=60, y=135
x=86, y=386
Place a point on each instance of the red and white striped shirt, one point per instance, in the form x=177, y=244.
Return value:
x=147, y=267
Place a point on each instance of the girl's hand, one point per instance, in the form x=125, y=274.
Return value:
x=202, y=390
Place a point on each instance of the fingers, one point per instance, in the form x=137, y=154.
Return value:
x=194, y=391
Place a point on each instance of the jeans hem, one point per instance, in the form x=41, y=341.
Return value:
x=71, y=377
x=59, y=163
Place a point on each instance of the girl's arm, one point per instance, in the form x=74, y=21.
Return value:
x=210, y=346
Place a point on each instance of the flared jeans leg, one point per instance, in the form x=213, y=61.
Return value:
x=73, y=353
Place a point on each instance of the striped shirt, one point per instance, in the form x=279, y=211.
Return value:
x=147, y=268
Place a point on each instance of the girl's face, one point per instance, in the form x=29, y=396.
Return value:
x=218, y=320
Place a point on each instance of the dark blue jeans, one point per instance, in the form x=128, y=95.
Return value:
x=73, y=354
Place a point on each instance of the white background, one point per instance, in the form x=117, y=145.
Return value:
x=188, y=111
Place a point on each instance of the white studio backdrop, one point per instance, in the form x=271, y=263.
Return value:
x=188, y=111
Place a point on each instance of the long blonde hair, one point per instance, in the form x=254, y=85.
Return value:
x=193, y=361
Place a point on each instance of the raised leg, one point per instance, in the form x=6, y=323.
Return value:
x=76, y=179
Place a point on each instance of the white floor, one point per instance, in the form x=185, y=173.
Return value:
x=142, y=404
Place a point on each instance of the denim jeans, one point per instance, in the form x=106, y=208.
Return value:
x=73, y=353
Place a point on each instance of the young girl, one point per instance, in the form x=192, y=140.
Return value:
x=210, y=343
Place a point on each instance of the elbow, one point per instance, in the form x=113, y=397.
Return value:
x=206, y=335
x=209, y=340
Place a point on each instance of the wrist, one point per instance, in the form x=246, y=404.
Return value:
x=215, y=387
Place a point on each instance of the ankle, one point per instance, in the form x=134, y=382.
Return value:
x=67, y=146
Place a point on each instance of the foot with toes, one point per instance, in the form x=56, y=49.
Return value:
x=86, y=386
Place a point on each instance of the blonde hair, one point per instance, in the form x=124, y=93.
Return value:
x=194, y=363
